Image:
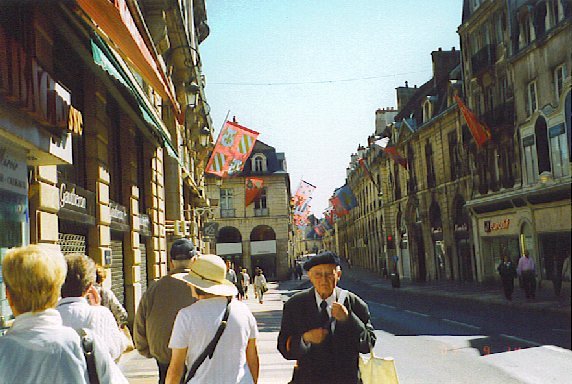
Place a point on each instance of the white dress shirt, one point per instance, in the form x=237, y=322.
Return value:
x=77, y=313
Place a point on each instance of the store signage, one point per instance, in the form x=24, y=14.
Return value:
x=461, y=227
x=210, y=229
x=13, y=172
x=118, y=213
x=496, y=226
x=144, y=225
x=27, y=85
x=74, y=198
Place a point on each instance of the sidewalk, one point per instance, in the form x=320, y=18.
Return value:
x=274, y=369
x=488, y=293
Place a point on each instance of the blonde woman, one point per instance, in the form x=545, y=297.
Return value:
x=38, y=348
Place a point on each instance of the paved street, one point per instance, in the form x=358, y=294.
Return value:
x=432, y=331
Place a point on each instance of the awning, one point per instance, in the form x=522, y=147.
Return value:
x=113, y=18
x=104, y=57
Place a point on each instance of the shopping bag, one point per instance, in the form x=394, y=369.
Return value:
x=377, y=370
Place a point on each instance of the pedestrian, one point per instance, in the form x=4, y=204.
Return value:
x=299, y=271
x=507, y=272
x=108, y=298
x=77, y=313
x=260, y=285
x=239, y=284
x=245, y=281
x=557, y=276
x=159, y=306
x=526, y=270
x=234, y=358
x=38, y=347
x=230, y=273
x=325, y=328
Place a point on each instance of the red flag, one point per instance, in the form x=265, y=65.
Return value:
x=395, y=156
x=480, y=131
x=339, y=209
x=253, y=189
x=232, y=148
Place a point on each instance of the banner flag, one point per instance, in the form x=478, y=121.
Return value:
x=319, y=230
x=232, y=148
x=347, y=197
x=303, y=196
x=393, y=154
x=339, y=209
x=253, y=189
x=480, y=131
x=365, y=169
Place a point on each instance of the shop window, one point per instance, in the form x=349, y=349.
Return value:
x=559, y=150
x=531, y=98
x=559, y=76
x=542, y=150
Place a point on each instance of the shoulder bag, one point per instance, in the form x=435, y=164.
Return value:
x=209, y=350
x=88, y=353
x=377, y=370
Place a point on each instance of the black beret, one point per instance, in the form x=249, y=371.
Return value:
x=322, y=258
x=182, y=249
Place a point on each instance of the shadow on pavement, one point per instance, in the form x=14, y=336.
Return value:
x=268, y=321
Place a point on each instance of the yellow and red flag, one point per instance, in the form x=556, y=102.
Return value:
x=232, y=148
x=480, y=131
x=253, y=189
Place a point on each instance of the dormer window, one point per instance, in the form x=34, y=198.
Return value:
x=259, y=163
x=427, y=110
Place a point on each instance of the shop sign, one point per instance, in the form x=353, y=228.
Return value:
x=144, y=224
x=118, y=213
x=74, y=198
x=210, y=229
x=496, y=226
x=461, y=230
x=13, y=172
x=27, y=85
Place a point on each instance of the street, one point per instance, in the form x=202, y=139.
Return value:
x=432, y=339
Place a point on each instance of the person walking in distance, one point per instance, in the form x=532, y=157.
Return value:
x=260, y=285
x=325, y=328
x=159, y=306
x=526, y=270
x=507, y=272
x=245, y=282
x=234, y=357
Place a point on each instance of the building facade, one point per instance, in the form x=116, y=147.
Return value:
x=93, y=113
x=260, y=234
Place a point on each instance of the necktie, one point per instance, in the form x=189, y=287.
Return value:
x=324, y=317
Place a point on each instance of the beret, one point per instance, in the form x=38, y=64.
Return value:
x=182, y=249
x=322, y=258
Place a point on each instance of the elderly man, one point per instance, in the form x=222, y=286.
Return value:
x=325, y=328
x=159, y=307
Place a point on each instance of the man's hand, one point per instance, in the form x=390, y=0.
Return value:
x=339, y=312
x=315, y=336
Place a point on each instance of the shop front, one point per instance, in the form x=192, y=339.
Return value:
x=75, y=218
x=119, y=229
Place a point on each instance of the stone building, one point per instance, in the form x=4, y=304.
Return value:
x=259, y=234
x=517, y=60
x=96, y=113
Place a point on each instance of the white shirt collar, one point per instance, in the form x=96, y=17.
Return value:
x=330, y=300
x=29, y=320
x=69, y=300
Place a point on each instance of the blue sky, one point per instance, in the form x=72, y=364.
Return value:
x=309, y=75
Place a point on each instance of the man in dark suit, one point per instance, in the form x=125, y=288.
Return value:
x=325, y=328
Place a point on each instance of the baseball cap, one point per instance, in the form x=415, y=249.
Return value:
x=182, y=249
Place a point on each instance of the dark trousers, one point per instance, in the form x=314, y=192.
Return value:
x=508, y=287
x=529, y=284
x=163, y=368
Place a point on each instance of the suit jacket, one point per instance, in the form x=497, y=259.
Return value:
x=336, y=359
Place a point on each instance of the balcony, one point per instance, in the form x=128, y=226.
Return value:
x=502, y=115
x=258, y=212
x=227, y=212
x=484, y=59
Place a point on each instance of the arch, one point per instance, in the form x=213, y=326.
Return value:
x=542, y=146
x=229, y=235
x=435, y=215
x=259, y=163
x=262, y=233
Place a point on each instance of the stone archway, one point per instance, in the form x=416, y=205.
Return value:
x=263, y=250
x=415, y=240
x=229, y=245
x=440, y=261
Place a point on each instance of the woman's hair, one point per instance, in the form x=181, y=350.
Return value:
x=33, y=276
x=81, y=274
x=100, y=274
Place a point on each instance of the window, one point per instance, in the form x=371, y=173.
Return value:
x=489, y=99
x=542, y=146
x=559, y=76
x=529, y=159
x=430, y=166
x=261, y=201
x=258, y=163
x=553, y=13
x=559, y=150
x=427, y=111
x=531, y=100
x=226, y=203
x=526, y=32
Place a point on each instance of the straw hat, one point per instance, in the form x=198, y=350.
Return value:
x=208, y=273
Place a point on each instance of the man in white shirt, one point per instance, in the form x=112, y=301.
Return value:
x=77, y=313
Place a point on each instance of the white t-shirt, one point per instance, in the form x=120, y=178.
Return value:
x=195, y=327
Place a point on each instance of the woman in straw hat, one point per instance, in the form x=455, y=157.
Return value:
x=235, y=357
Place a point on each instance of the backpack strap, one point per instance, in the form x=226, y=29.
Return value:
x=209, y=350
x=89, y=355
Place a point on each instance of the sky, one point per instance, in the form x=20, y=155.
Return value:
x=308, y=75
